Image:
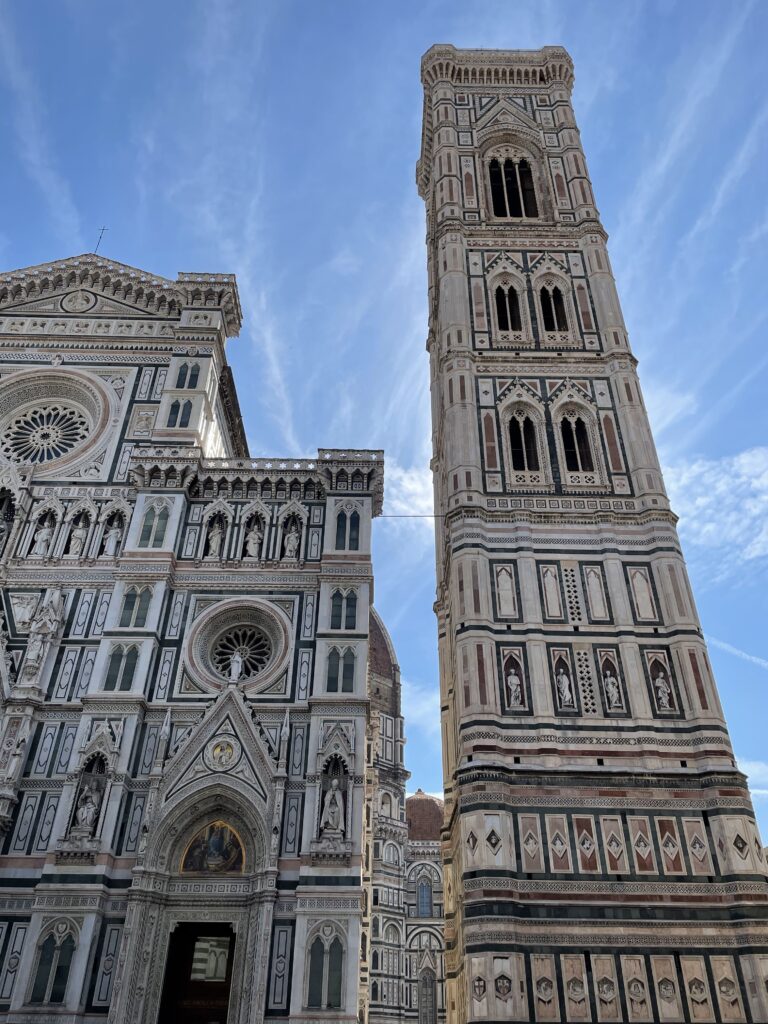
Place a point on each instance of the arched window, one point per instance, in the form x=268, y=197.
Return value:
x=508, y=309
x=553, y=308
x=153, y=528
x=424, y=898
x=341, y=531
x=354, y=531
x=173, y=415
x=332, y=679
x=337, y=609
x=522, y=440
x=121, y=668
x=194, y=376
x=427, y=997
x=350, y=619
x=386, y=805
x=576, y=446
x=326, y=970
x=135, y=607
x=375, y=985
x=512, y=190
x=181, y=380
x=348, y=672
x=186, y=412
x=52, y=973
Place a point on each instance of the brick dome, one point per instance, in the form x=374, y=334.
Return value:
x=424, y=815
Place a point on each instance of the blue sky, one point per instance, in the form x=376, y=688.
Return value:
x=277, y=140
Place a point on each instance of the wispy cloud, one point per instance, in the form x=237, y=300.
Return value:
x=33, y=138
x=721, y=645
x=723, y=507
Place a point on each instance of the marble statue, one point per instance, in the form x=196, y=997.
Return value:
x=215, y=537
x=253, y=540
x=78, y=538
x=292, y=541
x=514, y=688
x=612, y=691
x=564, y=690
x=663, y=692
x=235, y=666
x=112, y=539
x=332, y=819
x=88, y=805
x=42, y=541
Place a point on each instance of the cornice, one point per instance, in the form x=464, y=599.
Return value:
x=158, y=296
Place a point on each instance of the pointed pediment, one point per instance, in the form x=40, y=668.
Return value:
x=518, y=388
x=567, y=388
x=507, y=114
x=224, y=746
x=93, y=285
x=504, y=260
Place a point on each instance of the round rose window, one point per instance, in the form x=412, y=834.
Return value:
x=242, y=652
x=44, y=433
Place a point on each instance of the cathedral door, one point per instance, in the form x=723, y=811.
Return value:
x=198, y=974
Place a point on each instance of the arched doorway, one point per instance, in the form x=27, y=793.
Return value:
x=199, y=906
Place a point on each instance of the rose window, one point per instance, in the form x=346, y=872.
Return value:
x=44, y=433
x=242, y=652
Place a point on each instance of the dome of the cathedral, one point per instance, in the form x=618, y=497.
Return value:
x=424, y=815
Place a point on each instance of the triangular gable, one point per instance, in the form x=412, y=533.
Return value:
x=225, y=743
x=505, y=260
x=507, y=115
x=567, y=388
x=518, y=388
x=546, y=261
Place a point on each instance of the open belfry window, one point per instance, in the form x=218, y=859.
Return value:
x=512, y=189
x=508, y=309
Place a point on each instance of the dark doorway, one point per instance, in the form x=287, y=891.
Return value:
x=198, y=975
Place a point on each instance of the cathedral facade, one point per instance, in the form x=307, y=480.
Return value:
x=192, y=771
x=601, y=856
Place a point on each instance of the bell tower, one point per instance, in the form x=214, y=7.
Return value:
x=602, y=861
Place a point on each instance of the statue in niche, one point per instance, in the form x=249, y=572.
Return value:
x=253, y=539
x=612, y=690
x=43, y=537
x=215, y=539
x=292, y=541
x=78, y=537
x=88, y=804
x=332, y=818
x=663, y=691
x=564, y=689
x=43, y=629
x=235, y=666
x=514, y=686
x=112, y=538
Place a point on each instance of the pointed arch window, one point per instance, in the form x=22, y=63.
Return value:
x=350, y=617
x=181, y=379
x=348, y=531
x=121, y=668
x=52, y=972
x=173, y=415
x=194, y=375
x=576, y=446
x=186, y=412
x=522, y=440
x=326, y=970
x=424, y=898
x=553, y=308
x=135, y=608
x=153, y=528
x=508, y=309
x=512, y=190
x=343, y=610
